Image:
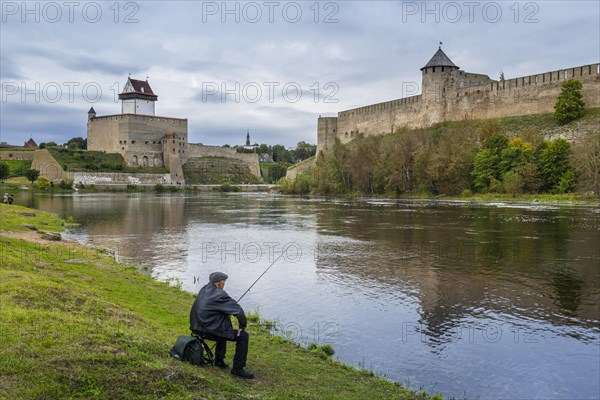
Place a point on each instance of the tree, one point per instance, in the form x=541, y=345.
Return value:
x=4, y=171
x=487, y=162
x=587, y=162
x=277, y=172
x=32, y=174
x=554, y=165
x=44, y=145
x=569, y=105
x=77, y=143
x=517, y=153
x=43, y=183
x=281, y=154
x=303, y=151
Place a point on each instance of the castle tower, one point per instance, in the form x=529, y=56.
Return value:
x=137, y=98
x=91, y=113
x=437, y=80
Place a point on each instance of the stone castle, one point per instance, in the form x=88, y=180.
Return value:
x=145, y=139
x=451, y=94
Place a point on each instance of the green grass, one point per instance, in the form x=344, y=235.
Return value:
x=83, y=160
x=76, y=324
x=17, y=167
x=16, y=149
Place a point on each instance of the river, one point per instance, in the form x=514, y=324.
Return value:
x=487, y=301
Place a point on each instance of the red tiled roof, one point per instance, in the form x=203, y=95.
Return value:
x=30, y=144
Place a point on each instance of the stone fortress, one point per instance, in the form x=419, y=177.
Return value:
x=451, y=94
x=145, y=139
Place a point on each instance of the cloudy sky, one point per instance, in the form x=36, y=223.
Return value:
x=271, y=66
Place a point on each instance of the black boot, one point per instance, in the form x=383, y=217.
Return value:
x=221, y=364
x=242, y=373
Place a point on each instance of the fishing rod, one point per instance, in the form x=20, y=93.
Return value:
x=264, y=272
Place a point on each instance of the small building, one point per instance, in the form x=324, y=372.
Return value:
x=30, y=144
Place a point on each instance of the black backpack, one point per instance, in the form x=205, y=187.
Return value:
x=193, y=350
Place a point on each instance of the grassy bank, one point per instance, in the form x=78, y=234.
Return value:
x=75, y=324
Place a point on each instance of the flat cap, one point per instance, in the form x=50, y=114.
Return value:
x=217, y=276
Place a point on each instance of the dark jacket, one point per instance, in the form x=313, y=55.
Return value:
x=211, y=310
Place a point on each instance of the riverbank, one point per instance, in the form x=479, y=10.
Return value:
x=16, y=186
x=76, y=324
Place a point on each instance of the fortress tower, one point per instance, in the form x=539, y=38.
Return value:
x=437, y=76
x=137, y=98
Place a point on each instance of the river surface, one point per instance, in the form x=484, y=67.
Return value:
x=484, y=301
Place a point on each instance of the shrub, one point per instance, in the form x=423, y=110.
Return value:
x=43, y=183
x=66, y=183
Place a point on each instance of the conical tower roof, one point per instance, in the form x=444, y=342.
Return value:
x=439, y=59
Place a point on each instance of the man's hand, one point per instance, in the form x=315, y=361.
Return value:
x=240, y=330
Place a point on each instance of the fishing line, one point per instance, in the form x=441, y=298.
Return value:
x=265, y=271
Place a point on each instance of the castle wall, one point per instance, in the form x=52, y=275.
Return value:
x=454, y=95
x=533, y=94
x=199, y=150
x=135, y=137
x=16, y=155
x=379, y=118
x=118, y=179
x=47, y=165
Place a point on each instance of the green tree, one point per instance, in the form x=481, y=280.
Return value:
x=281, y=154
x=587, y=162
x=32, y=174
x=517, y=153
x=44, y=145
x=569, y=105
x=554, y=165
x=77, y=143
x=4, y=171
x=487, y=162
x=277, y=172
x=43, y=183
x=303, y=151
x=512, y=182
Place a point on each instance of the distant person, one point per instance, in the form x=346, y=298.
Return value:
x=210, y=319
x=5, y=200
x=10, y=199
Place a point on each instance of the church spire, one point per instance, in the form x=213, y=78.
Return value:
x=248, y=137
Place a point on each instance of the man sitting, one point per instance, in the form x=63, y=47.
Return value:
x=210, y=319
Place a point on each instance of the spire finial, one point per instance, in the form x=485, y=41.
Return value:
x=441, y=45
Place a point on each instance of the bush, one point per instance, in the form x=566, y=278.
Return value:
x=43, y=183
x=66, y=183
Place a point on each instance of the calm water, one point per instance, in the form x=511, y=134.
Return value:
x=487, y=301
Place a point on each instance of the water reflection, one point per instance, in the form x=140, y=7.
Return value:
x=440, y=295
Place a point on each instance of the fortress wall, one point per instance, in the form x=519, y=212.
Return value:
x=132, y=132
x=117, y=179
x=199, y=150
x=379, y=118
x=16, y=155
x=134, y=136
x=533, y=94
x=47, y=165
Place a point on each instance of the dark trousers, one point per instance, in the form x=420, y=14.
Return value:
x=241, y=347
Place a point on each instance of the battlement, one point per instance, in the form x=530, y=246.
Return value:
x=143, y=117
x=386, y=105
